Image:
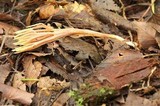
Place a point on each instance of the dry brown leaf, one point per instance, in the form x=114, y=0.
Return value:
x=28, y=4
x=8, y=29
x=156, y=98
x=16, y=94
x=8, y=32
x=119, y=56
x=49, y=10
x=5, y=17
x=45, y=82
x=32, y=68
x=17, y=81
x=107, y=4
x=43, y=97
x=76, y=12
x=29, y=18
x=74, y=7
x=56, y=68
x=135, y=100
x=52, y=84
x=146, y=34
x=39, y=54
x=61, y=100
x=4, y=72
x=109, y=16
x=68, y=57
x=112, y=45
x=59, y=2
x=83, y=48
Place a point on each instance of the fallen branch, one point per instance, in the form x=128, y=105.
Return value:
x=39, y=34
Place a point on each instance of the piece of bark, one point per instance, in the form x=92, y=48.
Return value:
x=118, y=75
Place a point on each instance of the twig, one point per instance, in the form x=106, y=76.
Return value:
x=2, y=44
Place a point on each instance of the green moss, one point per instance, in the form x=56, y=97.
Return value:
x=87, y=92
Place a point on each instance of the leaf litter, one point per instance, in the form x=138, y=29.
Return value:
x=76, y=52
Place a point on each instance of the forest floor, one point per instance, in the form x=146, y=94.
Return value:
x=80, y=52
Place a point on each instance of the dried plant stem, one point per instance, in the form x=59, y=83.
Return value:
x=33, y=37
